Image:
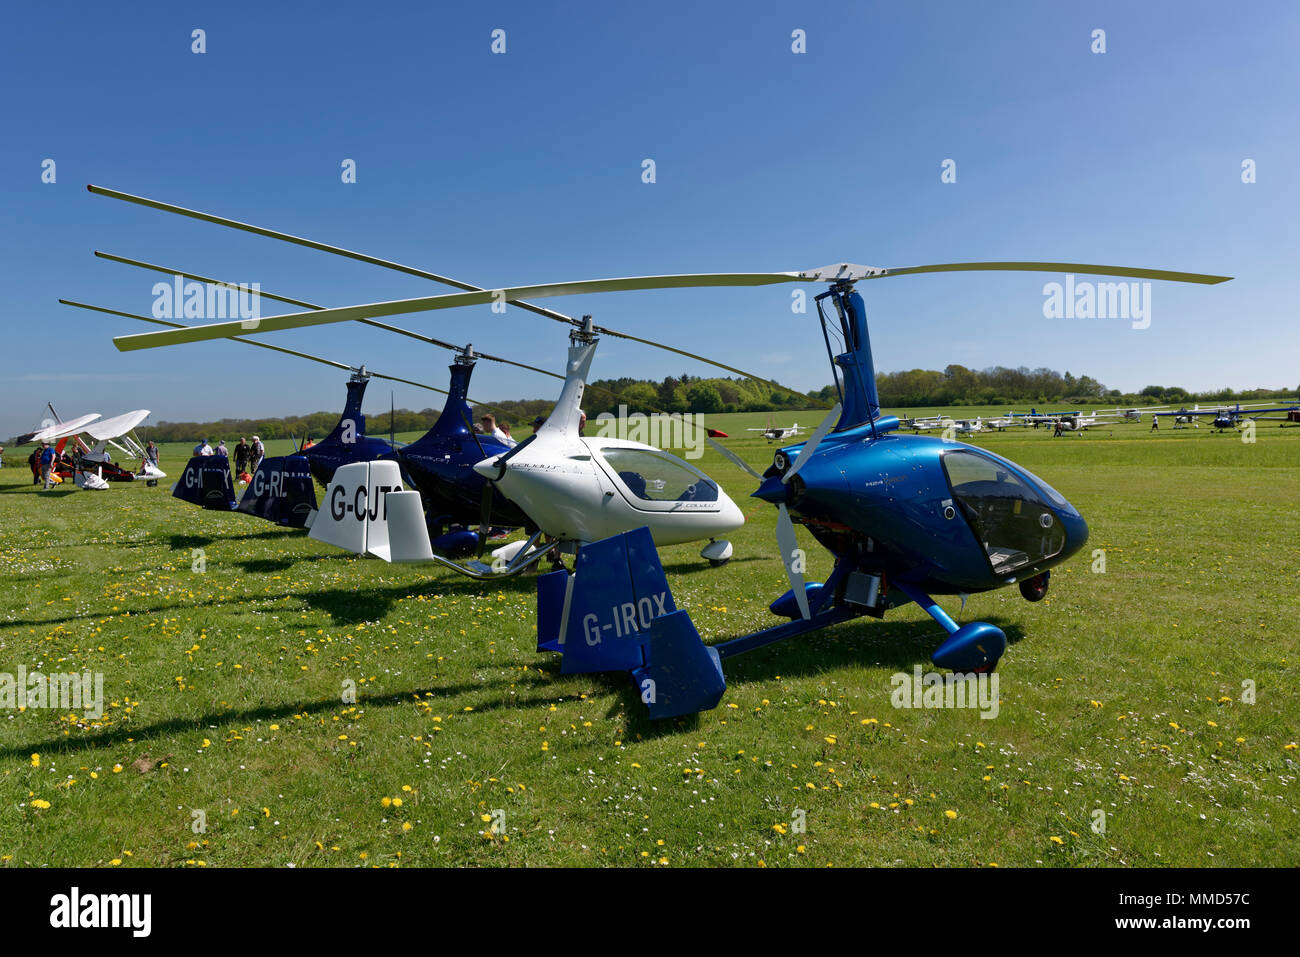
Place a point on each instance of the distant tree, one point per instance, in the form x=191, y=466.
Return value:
x=704, y=397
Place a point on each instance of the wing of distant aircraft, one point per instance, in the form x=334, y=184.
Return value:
x=107, y=429
x=60, y=430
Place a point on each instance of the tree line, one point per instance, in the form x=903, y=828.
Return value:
x=915, y=388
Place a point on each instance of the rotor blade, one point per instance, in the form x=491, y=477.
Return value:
x=312, y=244
x=164, y=270
x=814, y=440
x=585, y=287
x=224, y=330
x=1135, y=272
x=252, y=342
x=727, y=453
x=789, y=545
x=410, y=270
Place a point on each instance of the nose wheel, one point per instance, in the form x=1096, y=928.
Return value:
x=717, y=553
x=1035, y=589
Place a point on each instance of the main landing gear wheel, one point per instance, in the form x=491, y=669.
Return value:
x=1035, y=589
x=717, y=553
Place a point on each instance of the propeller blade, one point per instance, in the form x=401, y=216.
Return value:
x=484, y=518
x=739, y=462
x=810, y=446
x=789, y=545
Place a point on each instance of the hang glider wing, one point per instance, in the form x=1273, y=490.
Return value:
x=116, y=427
x=61, y=430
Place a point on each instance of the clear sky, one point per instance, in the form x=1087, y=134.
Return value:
x=526, y=166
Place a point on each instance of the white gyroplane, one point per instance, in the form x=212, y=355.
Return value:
x=575, y=489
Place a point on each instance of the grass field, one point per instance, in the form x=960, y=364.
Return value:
x=224, y=739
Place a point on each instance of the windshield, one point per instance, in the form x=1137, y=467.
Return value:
x=1007, y=514
x=659, y=477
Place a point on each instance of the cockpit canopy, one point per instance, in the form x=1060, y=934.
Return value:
x=1012, y=517
x=654, y=476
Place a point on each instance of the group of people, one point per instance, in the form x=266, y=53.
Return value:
x=43, y=461
x=248, y=456
x=487, y=425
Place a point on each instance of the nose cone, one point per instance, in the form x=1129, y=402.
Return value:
x=772, y=490
x=729, y=516
x=487, y=468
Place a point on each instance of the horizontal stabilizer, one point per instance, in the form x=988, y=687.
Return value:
x=681, y=674
x=408, y=537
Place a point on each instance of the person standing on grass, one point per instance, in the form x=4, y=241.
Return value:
x=505, y=429
x=2, y=456
x=241, y=456
x=221, y=448
x=257, y=453
x=47, y=466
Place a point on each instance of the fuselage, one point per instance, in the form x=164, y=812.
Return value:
x=586, y=489
x=942, y=515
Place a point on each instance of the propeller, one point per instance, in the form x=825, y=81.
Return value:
x=736, y=459
x=785, y=536
x=410, y=334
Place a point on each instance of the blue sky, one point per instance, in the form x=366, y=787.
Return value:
x=526, y=167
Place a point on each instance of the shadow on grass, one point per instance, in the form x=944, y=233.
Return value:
x=345, y=606
x=895, y=646
x=185, y=542
x=864, y=643
x=58, y=491
x=689, y=566
x=140, y=736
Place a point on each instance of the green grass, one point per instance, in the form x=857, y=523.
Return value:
x=1121, y=692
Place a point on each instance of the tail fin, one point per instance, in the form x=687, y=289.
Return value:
x=206, y=482
x=282, y=491
x=361, y=501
